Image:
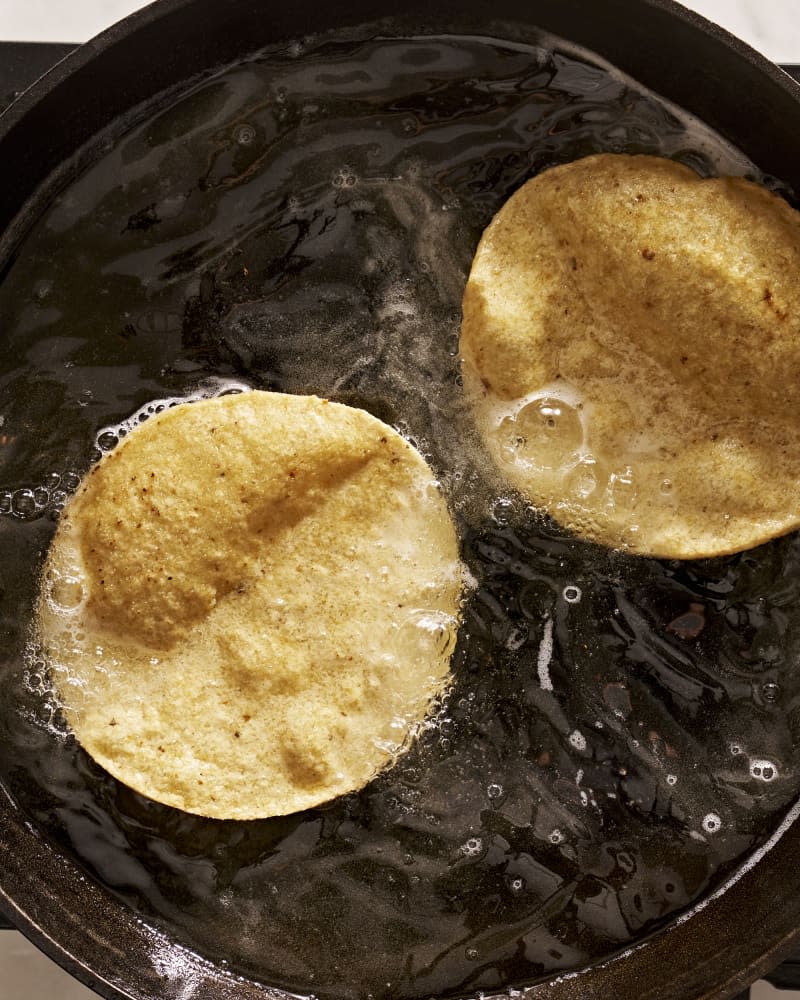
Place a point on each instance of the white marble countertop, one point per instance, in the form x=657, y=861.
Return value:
x=771, y=26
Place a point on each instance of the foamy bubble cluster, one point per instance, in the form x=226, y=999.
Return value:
x=344, y=177
x=32, y=502
x=577, y=740
x=109, y=437
x=472, y=848
x=37, y=679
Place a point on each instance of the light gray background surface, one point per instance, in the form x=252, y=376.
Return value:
x=772, y=26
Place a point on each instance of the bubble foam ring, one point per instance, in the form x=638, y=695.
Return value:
x=108, y=437
x=712, y=823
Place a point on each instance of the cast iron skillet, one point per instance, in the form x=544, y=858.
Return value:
x=739, y=934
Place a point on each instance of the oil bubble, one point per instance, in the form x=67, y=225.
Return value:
x=763, y=770
x=631, y=532
x=345, y=177
x=545, y=433
x=583, y=479
x=66, y=591
x=516, y=884
x=672, y=780
x=472, y=847
x=502, y=510
x=572, y=594
x=626, y=862
x=712, y=823
x=428, y=631
x=107, y=440
x=770, y=691
x=23, y=503
x=577, y=740
x=494, y=791
x=516, y=639
x=622, y=491
x=556, y=837
x=244, y=135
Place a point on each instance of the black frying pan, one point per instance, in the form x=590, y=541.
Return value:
x=738, y=934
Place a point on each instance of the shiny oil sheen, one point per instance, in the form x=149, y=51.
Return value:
x=620, y=732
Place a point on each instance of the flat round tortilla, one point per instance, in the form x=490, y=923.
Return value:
x=250, y=603
x=631, y=343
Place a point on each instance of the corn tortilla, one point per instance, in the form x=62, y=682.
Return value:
x=250, y=603
x=631, y=344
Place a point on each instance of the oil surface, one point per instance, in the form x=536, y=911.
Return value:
x=620, y=732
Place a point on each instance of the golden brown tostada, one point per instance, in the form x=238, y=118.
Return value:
x=251, y=602
x=631, y=343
